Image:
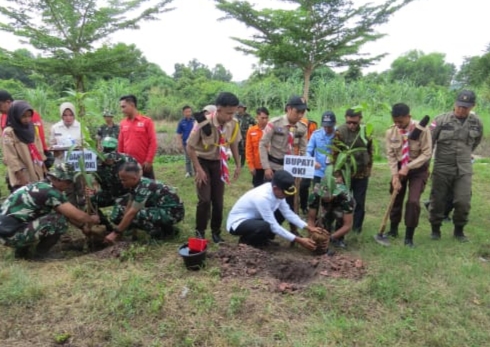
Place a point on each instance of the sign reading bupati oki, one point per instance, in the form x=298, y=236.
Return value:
x=90, y=159
x=299, y=166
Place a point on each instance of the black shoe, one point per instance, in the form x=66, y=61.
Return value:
x=217, y=239
x=22, y=253
x=409, y=243
x=461, y=238
x=392, y=233
x=427, y=204
x=435, y=235
x=200, y=235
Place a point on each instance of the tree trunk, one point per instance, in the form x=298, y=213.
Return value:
x=306, y=86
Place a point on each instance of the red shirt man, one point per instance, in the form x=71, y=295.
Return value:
x=137, y=136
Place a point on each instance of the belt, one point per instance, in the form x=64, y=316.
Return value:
x=276, y=160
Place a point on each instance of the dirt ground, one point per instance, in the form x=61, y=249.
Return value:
x=288, y=269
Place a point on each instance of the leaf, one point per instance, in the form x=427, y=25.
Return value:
x=341, y=160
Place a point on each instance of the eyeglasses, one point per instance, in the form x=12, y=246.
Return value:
x=351, y=123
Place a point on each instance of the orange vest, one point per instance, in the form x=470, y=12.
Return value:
x=311, y=125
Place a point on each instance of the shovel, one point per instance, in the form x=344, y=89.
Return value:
x=380, y=237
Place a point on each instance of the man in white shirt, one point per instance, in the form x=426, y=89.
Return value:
x=252, y=216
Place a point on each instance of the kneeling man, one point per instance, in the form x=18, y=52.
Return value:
x=151, y=205
x=252, y=216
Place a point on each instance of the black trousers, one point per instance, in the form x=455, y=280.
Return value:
x=258, y=178
x=359, y=188
x=254, y=232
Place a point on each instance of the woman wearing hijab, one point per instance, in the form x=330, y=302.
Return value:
x=22, y=149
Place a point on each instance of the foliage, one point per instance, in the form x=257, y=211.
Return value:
x=316, y=33
x=422, y=69
x=475, y=71
x=68, y=31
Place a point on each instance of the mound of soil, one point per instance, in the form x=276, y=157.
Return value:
x=289, y=270
x=114, y=251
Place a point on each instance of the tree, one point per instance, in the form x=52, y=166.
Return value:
x=475, y=71
x=316, y=33
x=8, y=70
x=422, y=69
x=67, y=32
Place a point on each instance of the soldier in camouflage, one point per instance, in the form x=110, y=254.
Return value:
x=151, y=205
x=110, y=129
x=110, y=187
x=245, y=121
x=39, y=212
x=336, y=214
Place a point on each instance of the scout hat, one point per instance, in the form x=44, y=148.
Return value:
x=328, y=119
x=298, y=103
x=284, y=181
x=466, y=98
x=63, y=172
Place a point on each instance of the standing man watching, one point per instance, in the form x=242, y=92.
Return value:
x=349, y=134
x=317, y=148
x=252, y=154
x=455, y=135
x=109, y=129
x=408, y=158
x=206, y=147
x=245, y=121
x=183, y=131
x=137, y=137
x=282, y=136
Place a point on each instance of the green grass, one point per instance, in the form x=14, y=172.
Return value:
x=434, y=295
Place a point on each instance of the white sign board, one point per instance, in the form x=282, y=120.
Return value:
x=89, y=157
x=299, y=166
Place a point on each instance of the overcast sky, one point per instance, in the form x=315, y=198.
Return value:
x=192, y=30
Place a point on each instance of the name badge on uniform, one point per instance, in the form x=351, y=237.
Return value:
x=140, y=124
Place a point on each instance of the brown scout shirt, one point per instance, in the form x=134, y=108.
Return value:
x=207, y=147
x=274, y=141
x=420, y=150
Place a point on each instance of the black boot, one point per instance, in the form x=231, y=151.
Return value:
x=216, y=237
x=393, y=230
x=409, y=237
x=459, y=234
x=44, y=245
x=436, y=232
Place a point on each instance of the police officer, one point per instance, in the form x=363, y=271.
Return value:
x=39, y=212
x=284, y=135
x=455, y=136
x=332, y=208
x=151, y=205
x=245, y=121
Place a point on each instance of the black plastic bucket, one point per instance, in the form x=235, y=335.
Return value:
x=192, y=260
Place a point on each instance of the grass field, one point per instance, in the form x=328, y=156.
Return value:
x=434, y=295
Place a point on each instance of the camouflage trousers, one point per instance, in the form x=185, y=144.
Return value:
x=150, y=219
x=48, y=225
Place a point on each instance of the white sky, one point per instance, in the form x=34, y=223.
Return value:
x=192, y=30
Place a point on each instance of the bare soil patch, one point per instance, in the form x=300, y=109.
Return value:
x=288, y=270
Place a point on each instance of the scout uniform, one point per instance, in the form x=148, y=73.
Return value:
x=419, y=154
x=210, y=143
x=158, y=206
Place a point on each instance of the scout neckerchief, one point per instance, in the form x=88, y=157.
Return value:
x=291, y=129
x=35, y=156
x=405, y=146
x=225, y=173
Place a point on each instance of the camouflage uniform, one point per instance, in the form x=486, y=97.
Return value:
x=107, y=131
x=332, y=212
x=108, y=178
x=158, y=206
x=245, y=122
x=34, y=204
